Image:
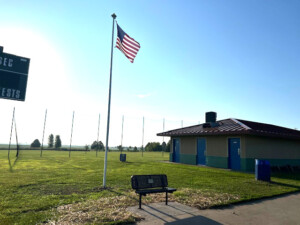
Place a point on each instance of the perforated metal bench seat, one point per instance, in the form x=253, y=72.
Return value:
x=150, y=184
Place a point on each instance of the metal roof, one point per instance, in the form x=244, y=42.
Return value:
x=235, y=127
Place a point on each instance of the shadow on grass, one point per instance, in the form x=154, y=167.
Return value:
x=11, y=166
x=254, y=200
x=289, y=175
x=286, y=185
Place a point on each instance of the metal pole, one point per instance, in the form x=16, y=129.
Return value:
x=43, y=134
x=97, y=147
x=71, y=135
x=143, y=138
x=17, y=154
x=181, y=123
x=163, y=136
x=109, y=97
x=12, y=124
x=122, y=134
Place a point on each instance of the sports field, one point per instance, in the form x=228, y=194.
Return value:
x=54, y=187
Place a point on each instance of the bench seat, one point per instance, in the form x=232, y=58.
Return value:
x=160, y=190
x=150, y=184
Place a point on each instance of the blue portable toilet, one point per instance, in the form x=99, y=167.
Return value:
x=123, y=157
x=262, y=170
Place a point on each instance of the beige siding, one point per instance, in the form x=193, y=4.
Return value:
x=272, y=148
x=188, y=145
x=216, y=146
x=243, y=147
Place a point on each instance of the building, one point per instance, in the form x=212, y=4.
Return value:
x=234, y=144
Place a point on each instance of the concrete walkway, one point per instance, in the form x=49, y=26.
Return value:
x=278, y=210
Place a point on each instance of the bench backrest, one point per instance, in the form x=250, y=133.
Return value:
x=149, y=181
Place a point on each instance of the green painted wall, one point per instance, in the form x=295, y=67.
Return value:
x=216, y=161
x=188, y=159
x=248, y=165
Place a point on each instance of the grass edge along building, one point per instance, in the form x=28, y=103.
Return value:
x=234, y=144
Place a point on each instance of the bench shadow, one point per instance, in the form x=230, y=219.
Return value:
x=184, y=211
x=194, y=220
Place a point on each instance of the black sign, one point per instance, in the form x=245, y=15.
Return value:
x=13, y=76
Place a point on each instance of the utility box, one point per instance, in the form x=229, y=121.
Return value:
x=262, y=170
x=123, y=157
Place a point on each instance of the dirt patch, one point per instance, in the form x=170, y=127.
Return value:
x=203, y=199
x=113, y=210
x=110, y=210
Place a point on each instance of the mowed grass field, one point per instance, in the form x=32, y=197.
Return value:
x=32, y=187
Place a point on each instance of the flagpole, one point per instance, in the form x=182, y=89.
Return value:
x=143, y=138
x=11, y=130
x=43, y=134
x=97, y=148
x=71, y=135
x=109, y=97
x=122, y=134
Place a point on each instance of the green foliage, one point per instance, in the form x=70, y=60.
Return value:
x=97, y=145
x=163, y=146
x=135, y=149
x=57, y=142
x=50, y=141
x=153, y=147
x=35, y=144
x=120, y=148
x=168, y=146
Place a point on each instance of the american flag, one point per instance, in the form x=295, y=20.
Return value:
x=127, y=45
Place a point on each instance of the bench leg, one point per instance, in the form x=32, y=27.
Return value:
x=166, y=198
x=140, y=202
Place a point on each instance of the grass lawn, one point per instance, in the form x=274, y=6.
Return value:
x=35, y=190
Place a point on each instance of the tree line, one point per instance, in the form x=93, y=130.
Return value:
x=157, y=147
x=98, y=145
x=51, y=142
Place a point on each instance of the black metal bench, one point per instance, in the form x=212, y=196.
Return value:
x=148, y=184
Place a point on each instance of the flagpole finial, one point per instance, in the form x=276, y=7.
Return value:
x=114, y=16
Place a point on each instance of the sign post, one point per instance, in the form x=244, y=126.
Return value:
x=13, y=76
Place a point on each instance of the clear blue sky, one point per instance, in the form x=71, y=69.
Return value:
x=238, y=58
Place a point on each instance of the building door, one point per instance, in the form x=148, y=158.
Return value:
x=234, y=159
x=176, y=150
x=201, y=151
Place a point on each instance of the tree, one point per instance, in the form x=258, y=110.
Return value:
x=36, y=144
x=129, y=148
x=57, y=143
x=94, y=145
x=153, y=146
x=135, y=149
x=101, y=145
x=168, y=147
x=50, y=141
x=97, y=145
x=163, y=146
x=120, y=148
x=86, y=147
